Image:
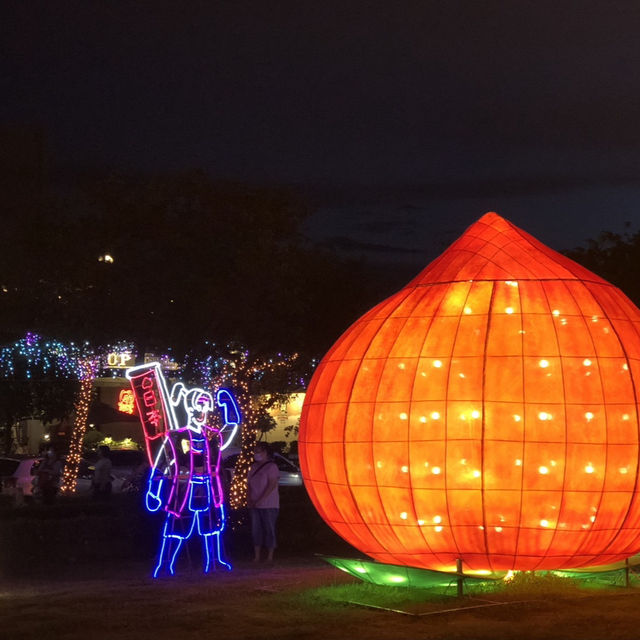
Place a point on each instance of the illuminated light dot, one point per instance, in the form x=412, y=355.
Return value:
x=511, y=283
x=553, y=463
x=588, y=416
x=423, y=374
x=397, y=579
x=426, y=464
x=625, y=367
x=543, y=415
x=594, y=318
x=516, y=417
x=585, y=526
x=586, y=362
x=544, y=523
x=463, y=416
x=623, y=470
x=435, y=415
x=589, y=468
x=423, y=419
x=437, y=519
x=380, y=416
x=475, y=414
x=481, y=528
x=435, y=471
x=498, y=529
x=437, y=364
x=509, y=310
x=555, y=312
x=438, y=528
x=543, y=470
x=420, y=522
x=379, y=464
x=476, y=473
x=403, y=416
x=605, y=330
x=467, y=310
x=592, y=518
x=625, y=416
x=461, y=375
x=463, y=461
x=403, y=515
x=405, y=469
x=360, y=569
x=518, y=462
x=543, y=364
x=401, y=365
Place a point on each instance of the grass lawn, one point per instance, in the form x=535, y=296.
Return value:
x=66, y=572
x=297, y=598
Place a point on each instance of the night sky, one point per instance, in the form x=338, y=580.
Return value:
x=403, y=121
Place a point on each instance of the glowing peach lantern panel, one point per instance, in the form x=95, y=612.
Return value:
x=486, y=412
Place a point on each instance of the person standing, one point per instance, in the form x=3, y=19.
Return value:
x=49, y=473
x=102, y=474
x=264, y=501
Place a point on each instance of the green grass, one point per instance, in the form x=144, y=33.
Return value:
x=301, y=599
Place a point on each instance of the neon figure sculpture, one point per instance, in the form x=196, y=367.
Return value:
x=185, y=456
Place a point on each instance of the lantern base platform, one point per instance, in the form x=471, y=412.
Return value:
x=625, y=573
x=400, y=576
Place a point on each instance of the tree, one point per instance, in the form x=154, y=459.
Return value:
x=259, y=383
x=191, y=256
x=614, y=257
x=38, y=379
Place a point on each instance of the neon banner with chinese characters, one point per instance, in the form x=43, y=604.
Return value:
x=153, y=404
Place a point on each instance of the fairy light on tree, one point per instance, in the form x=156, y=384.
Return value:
x=87, y=374
x=259, y=383
x=38, y=379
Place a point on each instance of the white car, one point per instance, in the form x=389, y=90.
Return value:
x=290, y=475
x=20, y=474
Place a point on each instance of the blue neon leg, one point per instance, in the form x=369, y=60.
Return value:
x=160, y=556
x=170, y=547
x=226, y=565
x=174, y=555
x=207, y=544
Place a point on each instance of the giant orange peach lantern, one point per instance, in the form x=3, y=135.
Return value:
x=487, y=412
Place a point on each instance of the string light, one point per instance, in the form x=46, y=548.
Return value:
x=34, y=359
x=72, y=465
x=246, y=374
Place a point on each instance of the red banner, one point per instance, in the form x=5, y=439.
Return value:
x=152, y=401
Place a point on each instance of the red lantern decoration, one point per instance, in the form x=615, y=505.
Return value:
x=487, y=412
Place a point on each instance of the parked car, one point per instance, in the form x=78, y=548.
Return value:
x=290, y=475
x=20, y=474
